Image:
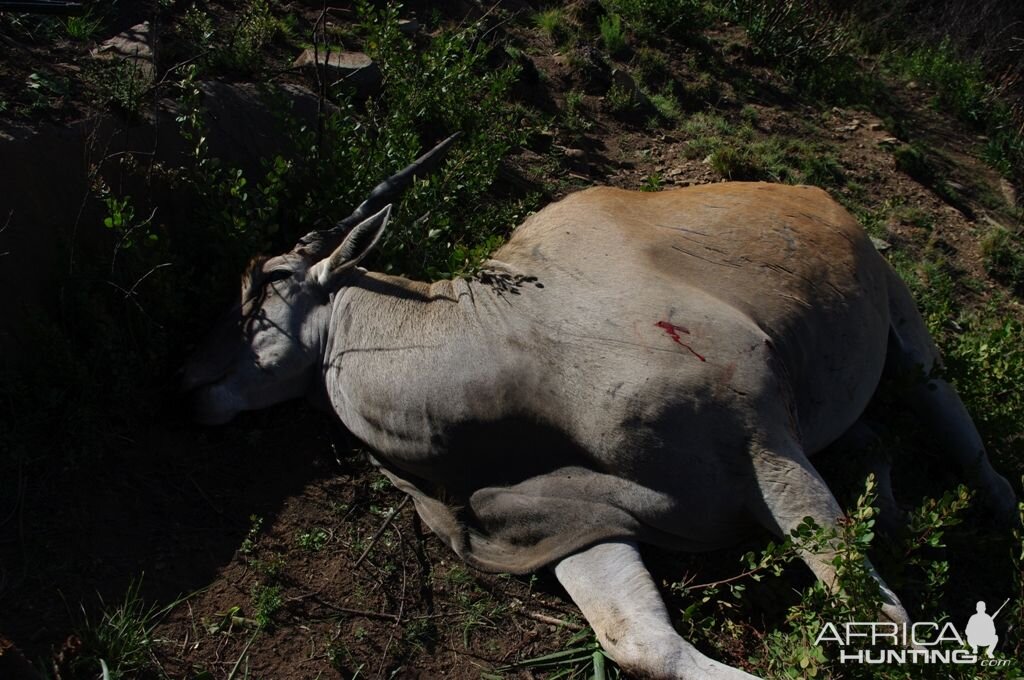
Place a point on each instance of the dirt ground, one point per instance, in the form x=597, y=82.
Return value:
x=278, y=550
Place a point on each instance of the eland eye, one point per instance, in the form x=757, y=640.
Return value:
x=277, y=275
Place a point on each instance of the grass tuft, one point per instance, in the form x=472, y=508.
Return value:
x=613, y=36
x=121, y=640
x=553, y=23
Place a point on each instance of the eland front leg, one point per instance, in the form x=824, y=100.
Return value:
x=617, y=595
x=790, y=490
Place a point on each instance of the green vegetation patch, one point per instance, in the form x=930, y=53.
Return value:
x=613, y=37
x=738, y=152
x=554, y=24
x=119, y=644
x=1003, y=254
x=963, y=87
x=657, y=19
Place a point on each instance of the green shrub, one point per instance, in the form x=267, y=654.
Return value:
x=659, y=18
x=620, y=99
x=255, y=28
x=774, y=159
x=121, y=85
x=196, y=29
x=809, y=41
x=266, y=602
x=652, y=67
x=553, y=24
x=1003, y=255
x=83, y=27
x=913, y=160
x=984, y=356
x=443, y=226
x=612, y=34
x=238, y=47
x=667, y=105
x=985, y=359
x=575, y=115
x=737, y=163
x=962, y=86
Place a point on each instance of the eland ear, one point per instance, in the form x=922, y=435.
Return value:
x=357, y=245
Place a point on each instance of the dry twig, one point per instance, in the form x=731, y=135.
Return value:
x=380, y=532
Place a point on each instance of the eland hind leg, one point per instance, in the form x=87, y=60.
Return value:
x=940, y=408
x=617, y=596
x=911, y=350
x=860, y=452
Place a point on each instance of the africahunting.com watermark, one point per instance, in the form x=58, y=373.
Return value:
x=924, y=642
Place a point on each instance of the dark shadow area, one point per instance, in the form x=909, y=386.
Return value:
x=168, y=510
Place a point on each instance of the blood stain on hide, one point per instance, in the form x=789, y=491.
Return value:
x=673, y=332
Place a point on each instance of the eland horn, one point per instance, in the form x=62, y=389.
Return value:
x=318, y=244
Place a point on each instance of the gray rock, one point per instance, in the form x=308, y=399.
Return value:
x=351, y=68
x=135, y=46
x=1008, y=191
x=624, y=81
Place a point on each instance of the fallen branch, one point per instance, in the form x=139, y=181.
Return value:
x=551, y=620
x=380, y=532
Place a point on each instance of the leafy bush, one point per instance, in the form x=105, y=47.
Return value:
x=652, y=67
x=962, y=86
x=809, y=42
x=913, y=160
x=620, y=99
x=254, y=29
x=659, y=18
x=1003, y=255
x=985, y=360
x=983, y=353
x=238, y=48
x=443, y=226
x=112, y=346
x=612, y=34
x=553, y=24
x=799, y=36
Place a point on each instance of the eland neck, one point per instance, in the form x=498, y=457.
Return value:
x=403, y=360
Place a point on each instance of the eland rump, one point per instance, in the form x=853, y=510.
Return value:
x=629, y=368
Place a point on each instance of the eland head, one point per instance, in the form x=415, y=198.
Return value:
x=267, y=347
